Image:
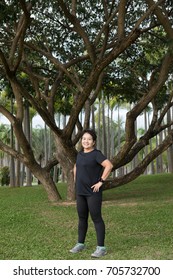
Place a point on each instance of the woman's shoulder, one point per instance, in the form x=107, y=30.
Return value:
x=98, y=151
x=100, y=156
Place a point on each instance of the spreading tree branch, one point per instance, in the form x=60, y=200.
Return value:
x=119, y=181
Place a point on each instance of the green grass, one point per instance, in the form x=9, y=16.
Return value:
x=138, y=218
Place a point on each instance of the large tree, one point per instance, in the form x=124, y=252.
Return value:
x=66, y=50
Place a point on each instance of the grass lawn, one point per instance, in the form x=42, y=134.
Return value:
x=138, y=218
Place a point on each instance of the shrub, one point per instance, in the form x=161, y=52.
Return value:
x=4, y=176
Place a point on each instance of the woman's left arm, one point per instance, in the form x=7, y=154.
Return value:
x=107, y=170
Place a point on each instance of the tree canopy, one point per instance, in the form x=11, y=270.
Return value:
x=59, y=55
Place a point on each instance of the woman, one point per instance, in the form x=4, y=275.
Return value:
x=90, y=171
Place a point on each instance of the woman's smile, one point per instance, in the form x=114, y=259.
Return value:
x=87, y=142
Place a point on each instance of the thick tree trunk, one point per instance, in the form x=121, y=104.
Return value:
x=50, y=187
x=46, y=180
x=66, y=155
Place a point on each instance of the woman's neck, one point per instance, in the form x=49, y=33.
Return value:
x=88, y=150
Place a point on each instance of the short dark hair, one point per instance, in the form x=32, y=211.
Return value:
x=91, y=132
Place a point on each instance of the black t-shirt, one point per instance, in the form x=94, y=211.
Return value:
x=88, y=171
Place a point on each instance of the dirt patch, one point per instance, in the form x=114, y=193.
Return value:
x=115, y=203
x=110, y=203
x=64, y=203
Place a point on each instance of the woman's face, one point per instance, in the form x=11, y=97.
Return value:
x=87, y=141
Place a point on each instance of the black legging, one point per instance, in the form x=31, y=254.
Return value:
x=90, y=204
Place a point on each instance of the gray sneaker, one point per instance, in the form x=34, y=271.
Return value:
x=77, y=248
x=99, y=252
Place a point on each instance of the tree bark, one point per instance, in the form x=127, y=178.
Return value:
x=46, y=180
x=66, y=155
